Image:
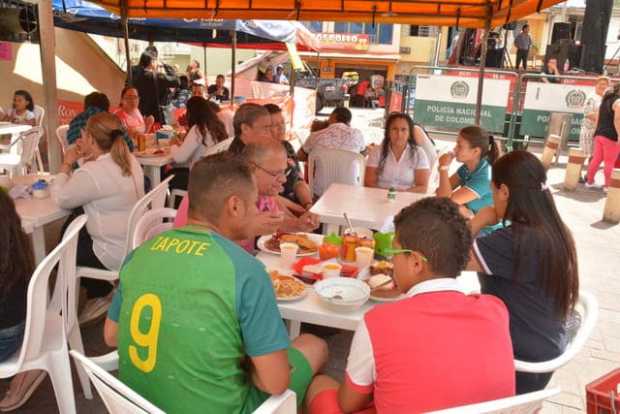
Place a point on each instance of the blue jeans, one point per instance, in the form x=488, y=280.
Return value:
x=11, y=340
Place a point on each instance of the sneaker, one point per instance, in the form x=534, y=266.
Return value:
x=95, y=308
x=22, y=387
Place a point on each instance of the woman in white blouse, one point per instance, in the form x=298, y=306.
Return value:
x=399, y=162
x=106, y=188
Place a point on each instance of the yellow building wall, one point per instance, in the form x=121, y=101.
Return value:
x=422, y=48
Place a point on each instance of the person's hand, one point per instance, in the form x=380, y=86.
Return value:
x=446, y=159
x=267, y=223
x=148, y=123
x=309, y=221
x=72, y=154
x=487, y=216
x=465, y=212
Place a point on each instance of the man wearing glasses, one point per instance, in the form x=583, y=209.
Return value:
x=438, y=347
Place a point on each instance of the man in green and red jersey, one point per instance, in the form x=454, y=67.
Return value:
x=195, y=317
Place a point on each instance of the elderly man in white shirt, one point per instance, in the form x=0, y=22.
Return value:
x=338, y=135
x=106, y=188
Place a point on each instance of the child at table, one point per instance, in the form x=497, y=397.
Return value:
x=22, y=111
x=438, y=347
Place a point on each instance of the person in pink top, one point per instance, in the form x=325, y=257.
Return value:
x=268, y=162
x=130, y=115
x=436, y=348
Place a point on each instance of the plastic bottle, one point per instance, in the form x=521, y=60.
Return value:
x=391, y=194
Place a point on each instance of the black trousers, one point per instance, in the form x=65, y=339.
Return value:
x=86, y=257
x=522, y=57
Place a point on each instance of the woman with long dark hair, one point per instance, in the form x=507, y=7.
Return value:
x=469, y=186
x=16, y=267
x=531, y=264
x=399, y=162
x=606, y=143
x=205, y=130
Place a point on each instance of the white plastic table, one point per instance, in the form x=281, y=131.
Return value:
x=152, y=167
x=365, y=206
x=35, y=214
x=310, y=309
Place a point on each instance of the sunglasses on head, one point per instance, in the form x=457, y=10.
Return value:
x=393, y=252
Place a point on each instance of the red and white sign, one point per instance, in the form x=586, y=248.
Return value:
x=344, y=41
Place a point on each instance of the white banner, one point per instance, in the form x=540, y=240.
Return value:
x=461, y=90
x=554, y=97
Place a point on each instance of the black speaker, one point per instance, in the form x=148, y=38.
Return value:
x=18, y=21
x=574, y=55
x=561, y=31
x=560, y=51
x=495, y=58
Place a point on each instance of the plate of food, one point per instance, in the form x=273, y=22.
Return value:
x=152, y=153
x=287, y=288
x=383, y=288
x=308, y=243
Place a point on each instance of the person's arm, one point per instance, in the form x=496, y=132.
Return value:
x=304, y=196
x=183, y=153
x=421, y=181
x=75, y=191
x=616, y=109
x=110, y=328
x=270, y=373
x=446, y=183
x=370, y=177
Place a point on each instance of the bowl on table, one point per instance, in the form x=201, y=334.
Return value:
x=342, y=294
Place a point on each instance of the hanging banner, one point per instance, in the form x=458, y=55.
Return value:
x=6, y=51
x=541, y=99
x=449, y=102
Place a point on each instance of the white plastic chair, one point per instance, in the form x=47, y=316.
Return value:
x=174, y=194
x=22, y=153
x=61, y=135
x=151, y=224
x=120, y=399
x=45, y=345
x=431, y=153
x=589, y=315
x=39, y=116
x=327, y=166
x=521, y=404
x=219, y=147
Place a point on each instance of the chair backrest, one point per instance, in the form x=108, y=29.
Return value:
x=117, y=397
x=61, y=135
x=28, y=145
x=151, y=224
x=521, y=404
x=155, y=199
x=39, y=307
x=39, y=115
x=327, y=166
x=219, y=147
x=588, y=307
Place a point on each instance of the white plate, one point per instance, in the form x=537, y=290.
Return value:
x=379, y=299
x=262, y=244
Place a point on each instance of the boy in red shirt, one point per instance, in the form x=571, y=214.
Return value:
x=436, y=349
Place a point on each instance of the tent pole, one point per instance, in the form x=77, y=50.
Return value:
x=483, y=59
x=234, y=66
x=48, y=66
x=125, y=23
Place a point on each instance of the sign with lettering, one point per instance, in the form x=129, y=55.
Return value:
x=344, y=41
x=449, y=102
x=542, y=99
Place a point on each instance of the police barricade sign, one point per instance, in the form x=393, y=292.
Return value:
x=449, y=102
x=541, y=99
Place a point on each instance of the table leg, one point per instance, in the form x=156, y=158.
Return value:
x=294, y=329
x=38, y=244
x=154, y=174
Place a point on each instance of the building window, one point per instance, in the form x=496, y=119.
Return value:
x=316, y=27
x=379, y=33
x=422, y=31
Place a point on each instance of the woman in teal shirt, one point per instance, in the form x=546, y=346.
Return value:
x=469, y=187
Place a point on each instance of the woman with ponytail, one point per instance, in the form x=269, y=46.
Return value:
x=469, y=186
x=106, y=188
x=530, y=264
